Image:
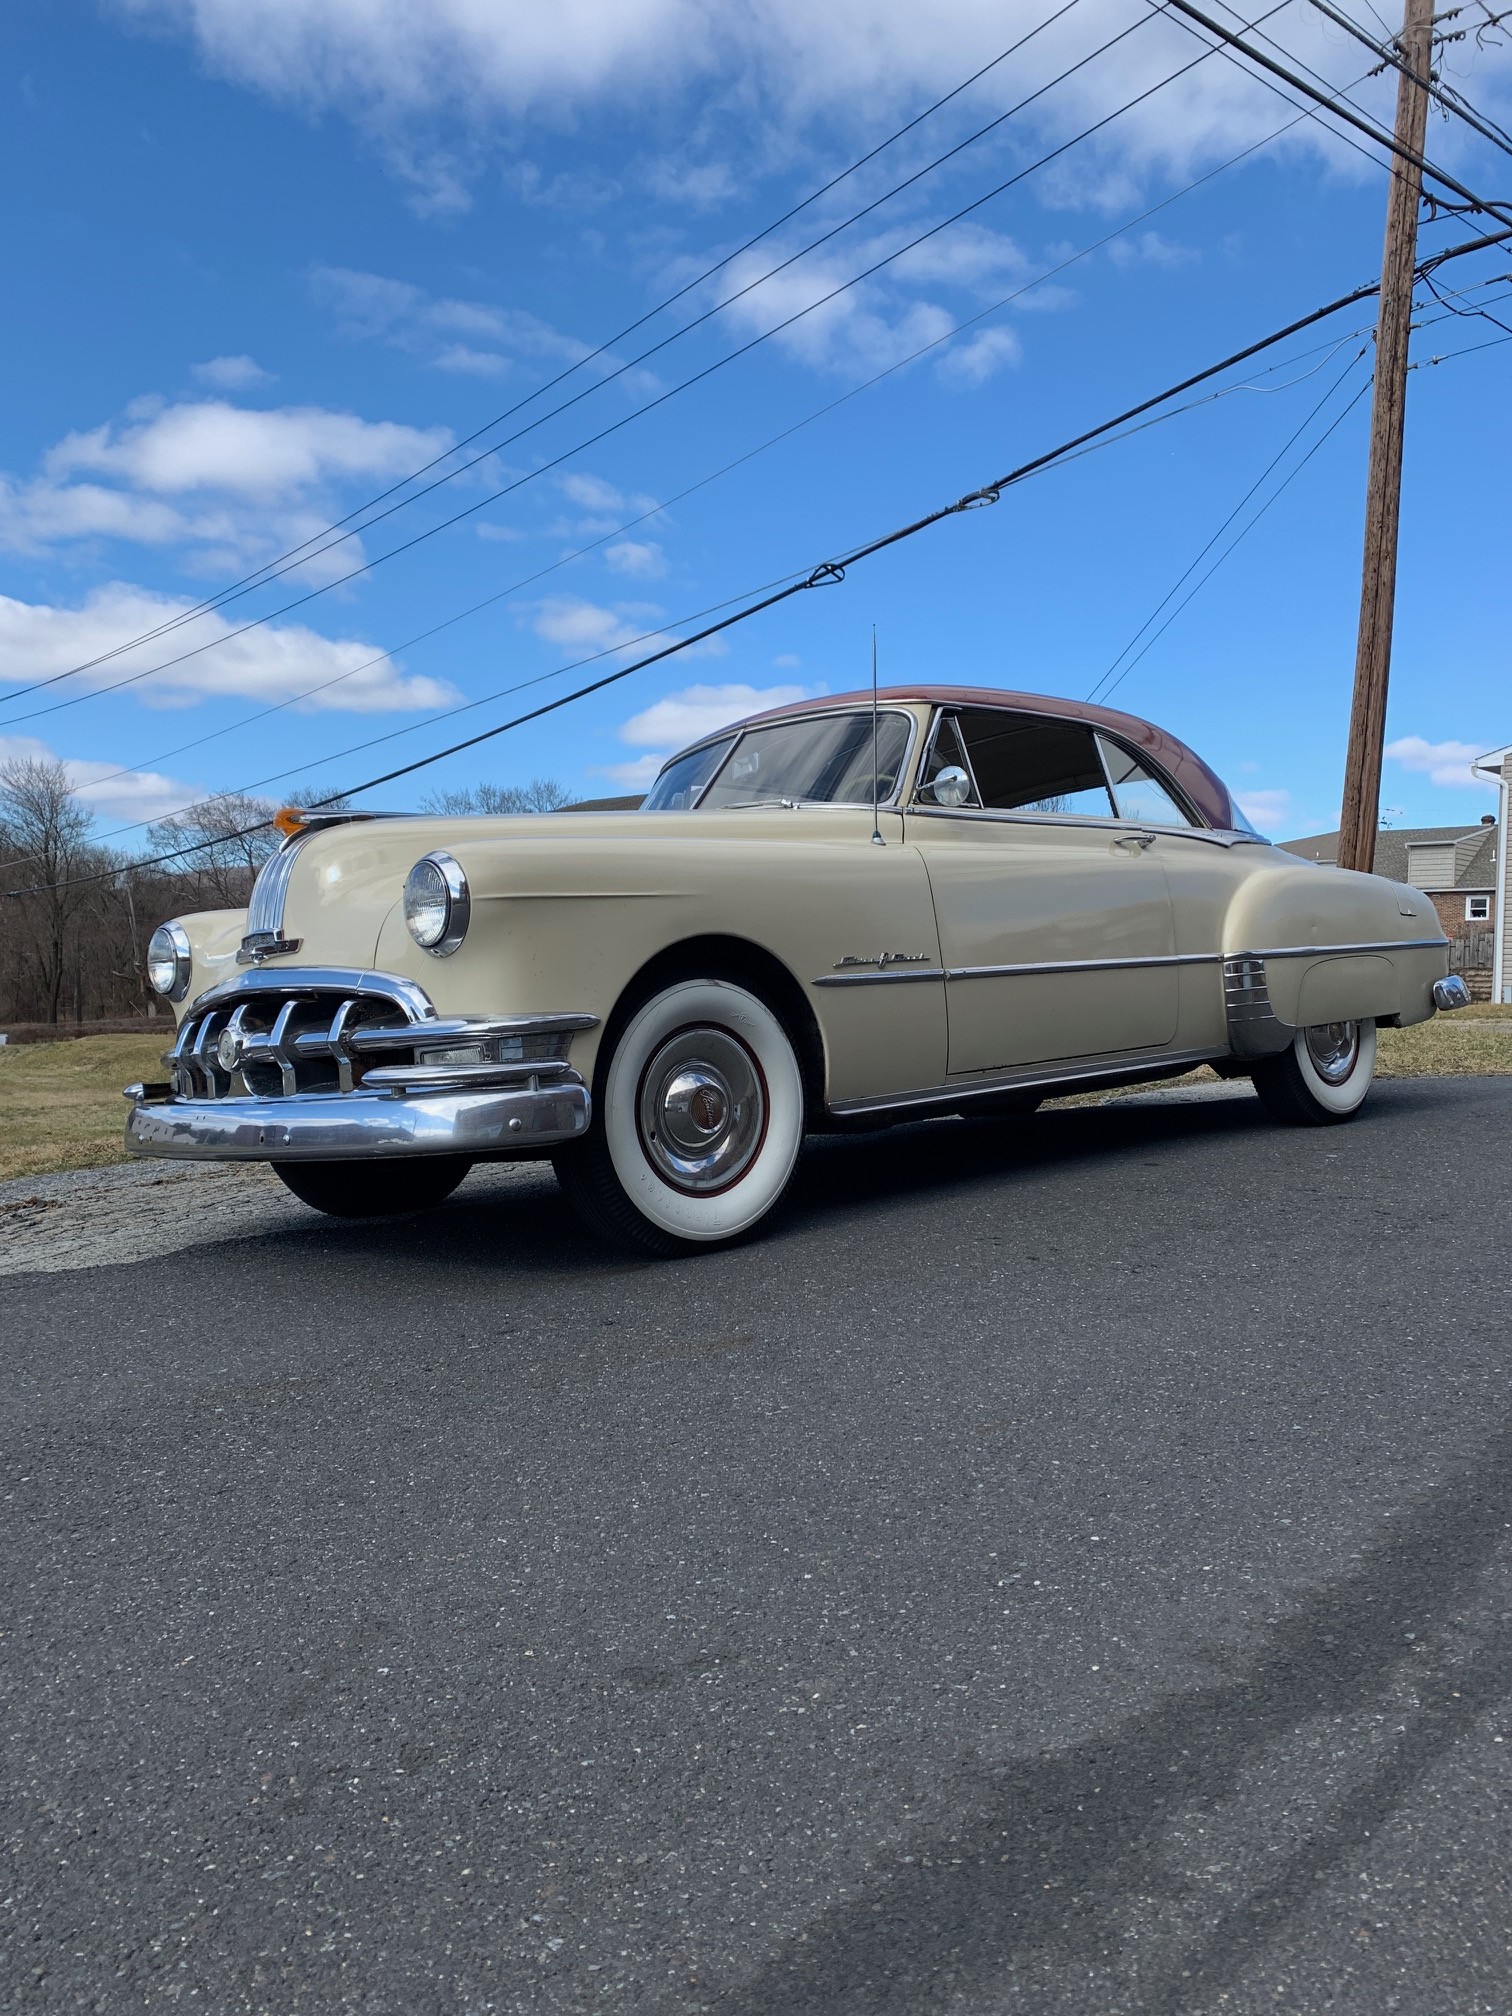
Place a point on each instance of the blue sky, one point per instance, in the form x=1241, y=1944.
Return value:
x=267, y=257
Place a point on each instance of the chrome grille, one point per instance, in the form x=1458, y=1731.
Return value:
x=272, y=1035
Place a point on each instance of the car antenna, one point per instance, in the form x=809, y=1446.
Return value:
x=877, y=840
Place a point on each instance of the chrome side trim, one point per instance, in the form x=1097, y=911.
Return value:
x=891, y=976
x=1335, y=951
x=1082, y=965
x=358, y=1126
x=1254, y=1028
x=1130, y=1065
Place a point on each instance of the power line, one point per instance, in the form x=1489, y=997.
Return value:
x=1197, y=560
x=651, y=405
x=830, y=406
x=1452, y=101
x=1501, y=212
x=833, y=570
x=312, y=549
x=1243, y=533
x=295, y=553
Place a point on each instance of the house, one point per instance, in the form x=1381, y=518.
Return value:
x=1462, y=870
x=1496, y=768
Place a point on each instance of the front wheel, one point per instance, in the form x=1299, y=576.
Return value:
x=374, y=1189
x=1323, y=1075
x=698, y=1124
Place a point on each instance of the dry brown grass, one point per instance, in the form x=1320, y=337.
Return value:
x=61, y=1105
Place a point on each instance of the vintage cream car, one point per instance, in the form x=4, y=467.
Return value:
x=831, y=916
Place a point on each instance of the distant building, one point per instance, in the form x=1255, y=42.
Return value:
x=1496, y=768
x=1461, y=869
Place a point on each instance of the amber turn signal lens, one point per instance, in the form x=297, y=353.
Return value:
x=289, y=820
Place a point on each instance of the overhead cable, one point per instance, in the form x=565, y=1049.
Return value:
x=665, y=504
x=1500, y=211
x=625, y=420
x=1451, y=101
x=826, y=573
x=297, y=555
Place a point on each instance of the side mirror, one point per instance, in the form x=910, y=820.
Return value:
x=952, y=787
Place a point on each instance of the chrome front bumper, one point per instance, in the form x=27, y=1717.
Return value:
x=327, y=1064
x=357, y=1126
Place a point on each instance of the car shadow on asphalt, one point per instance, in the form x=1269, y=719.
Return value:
x=530, y=1228
x=1055, y=1867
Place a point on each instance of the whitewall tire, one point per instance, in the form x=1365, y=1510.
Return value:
x=1322, y=1077
x=698, y=1123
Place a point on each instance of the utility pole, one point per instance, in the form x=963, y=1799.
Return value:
x=1383, y=488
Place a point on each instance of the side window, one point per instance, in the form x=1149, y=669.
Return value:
x=1023, y=763
x=1136, y=793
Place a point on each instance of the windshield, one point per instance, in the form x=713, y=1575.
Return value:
x=813, y=759
x=681, y=784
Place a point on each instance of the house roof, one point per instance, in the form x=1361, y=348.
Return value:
x=1477, y=869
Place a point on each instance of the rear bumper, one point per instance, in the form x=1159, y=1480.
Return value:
x=360, y=1125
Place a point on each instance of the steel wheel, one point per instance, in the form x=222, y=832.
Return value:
x=1322, y=1077
x=698, y=1123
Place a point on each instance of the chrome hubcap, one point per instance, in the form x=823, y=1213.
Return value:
x=1334, y=1048
x=701, y=1110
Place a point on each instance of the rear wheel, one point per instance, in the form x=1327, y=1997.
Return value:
x=1322, y=1077
x=374, y=1189
x=698, y=1123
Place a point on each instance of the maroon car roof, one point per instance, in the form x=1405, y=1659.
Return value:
x=1203, y=786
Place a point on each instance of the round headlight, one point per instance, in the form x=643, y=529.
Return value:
x=168, y=961
x=436, y=904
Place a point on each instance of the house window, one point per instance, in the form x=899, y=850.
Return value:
x=1478, y=909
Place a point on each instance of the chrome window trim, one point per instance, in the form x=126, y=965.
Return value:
x=890, y=802
x=941, y=716
x=1192, y=826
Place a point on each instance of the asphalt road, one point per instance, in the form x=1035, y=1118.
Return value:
x=1068, y=1567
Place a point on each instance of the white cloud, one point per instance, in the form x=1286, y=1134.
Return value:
x=581, y=626
x=471, y=363
x=1445, y=763
x=680, y=718
x=637, y=775
x=787, y=661
x=232, y=374
x=214, y=446
x=1151, y=248
x=974, y=361
x=781, y=67
x=226, y=485
x=641, y=558
x=450, y=334
x=38, y=640
x=1269, y=810
x=138, y=794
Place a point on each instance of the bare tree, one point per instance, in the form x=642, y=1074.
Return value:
x=223, y=841
x=46, y=833
x=541, y=794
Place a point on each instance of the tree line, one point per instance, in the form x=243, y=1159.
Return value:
x=76, y=913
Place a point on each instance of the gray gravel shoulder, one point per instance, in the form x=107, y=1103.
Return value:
x=144, y=1210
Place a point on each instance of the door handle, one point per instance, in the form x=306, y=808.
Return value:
x=1138, y=841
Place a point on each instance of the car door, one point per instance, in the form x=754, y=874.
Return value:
x=1054, y=914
